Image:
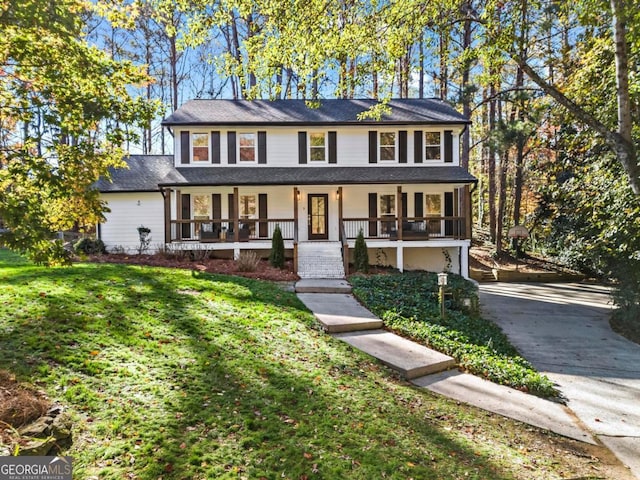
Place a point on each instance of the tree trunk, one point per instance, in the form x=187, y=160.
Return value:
x=444, y=69
x=421, y=69
x=173, y=65
x=491, y=165
x=466, y=94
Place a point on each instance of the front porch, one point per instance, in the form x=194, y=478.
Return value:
x=324, y=214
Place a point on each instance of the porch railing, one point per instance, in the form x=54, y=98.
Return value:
x=413, y=228
x=223, y=230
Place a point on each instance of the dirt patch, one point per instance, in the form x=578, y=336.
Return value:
x=264, y=270
x=483, y=257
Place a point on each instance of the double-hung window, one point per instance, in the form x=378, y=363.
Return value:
x=247, y=147
x=317, y=147
x=199, y=147
x=432, y=142
x=388, y=146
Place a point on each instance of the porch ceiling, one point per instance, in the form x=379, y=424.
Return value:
x=333, y=175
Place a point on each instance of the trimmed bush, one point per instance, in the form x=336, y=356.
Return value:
x=90, y=246
x=276, y=258
x=360, y=254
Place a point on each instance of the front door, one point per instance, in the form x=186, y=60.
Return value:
x=318, y=209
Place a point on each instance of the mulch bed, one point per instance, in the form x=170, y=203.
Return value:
x=263, y=271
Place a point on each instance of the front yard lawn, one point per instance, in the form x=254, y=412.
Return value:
x=175, y=374
x=408, y=304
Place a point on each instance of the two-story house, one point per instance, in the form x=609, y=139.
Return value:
x=321, y=174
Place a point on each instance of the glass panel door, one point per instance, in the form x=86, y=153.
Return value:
x=318, y=209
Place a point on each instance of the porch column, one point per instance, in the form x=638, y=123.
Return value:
x=296, y=192
x=399, y=214
x=236, y=217
x=178, y=215
x=166, y=194
x=468, y=234
x=340, y=213
x=400, y=257
x=464, y=261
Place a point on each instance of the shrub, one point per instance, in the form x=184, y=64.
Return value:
x=276, y=258
x=361, y=254
x=247, y=261
x=90, y=246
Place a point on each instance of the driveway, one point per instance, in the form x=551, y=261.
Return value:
x=563, y=330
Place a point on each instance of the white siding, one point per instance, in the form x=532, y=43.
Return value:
x=352, y=144
x=128, y=212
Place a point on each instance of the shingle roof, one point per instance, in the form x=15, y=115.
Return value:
x=305, y=175
x=426, y=111
x=143, y=175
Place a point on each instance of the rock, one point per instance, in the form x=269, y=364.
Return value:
x=49, y=431
x=37, y=447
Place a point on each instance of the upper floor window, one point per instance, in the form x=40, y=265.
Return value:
x=247, y=147
x=317, y=147
x=388, y=146
x=199, y=147
x=432, y=142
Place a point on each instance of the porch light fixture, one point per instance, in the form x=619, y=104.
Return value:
x=337, y=194
x=298, y=193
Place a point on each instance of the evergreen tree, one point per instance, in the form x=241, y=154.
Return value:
x=277, y=249
x=360, y=254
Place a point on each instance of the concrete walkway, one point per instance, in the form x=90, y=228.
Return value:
x=563, y=330
x=341, y=315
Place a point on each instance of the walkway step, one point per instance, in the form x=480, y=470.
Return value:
x=409, y=358
x=505, y=401
x=339, y=312
x=322, y=285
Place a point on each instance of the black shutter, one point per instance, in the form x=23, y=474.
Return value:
x=405, y=212
x=373, y=213
x=262, y=147
x=448, y=146
x=448, y=212
x=333, y=147
x=216, y=211
x=232, y=203
x=302, y=147
x=402, y=147
x=263, y=227
x=418, y=205
x=373, y=147
x=215, y=147
x=231, y=147
x=184, y=147
x=418, y=153
x=186, y=215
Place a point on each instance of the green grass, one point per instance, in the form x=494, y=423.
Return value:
x=175, y=374
x=408, y=304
